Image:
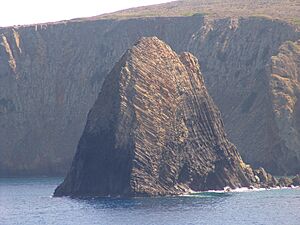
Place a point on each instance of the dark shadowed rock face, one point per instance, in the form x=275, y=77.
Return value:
x=154, y=130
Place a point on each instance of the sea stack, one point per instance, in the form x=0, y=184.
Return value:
x=154, y=130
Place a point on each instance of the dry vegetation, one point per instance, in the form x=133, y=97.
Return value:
x=288, y=10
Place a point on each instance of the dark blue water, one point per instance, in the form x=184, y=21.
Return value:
x=29, y=201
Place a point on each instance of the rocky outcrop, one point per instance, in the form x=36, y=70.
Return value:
x=154, y=130
x=50, y=76
x=285, y=182
x=266, y=179
x=296, y=180
x=284, y=84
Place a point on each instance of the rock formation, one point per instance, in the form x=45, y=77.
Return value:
x=296, y=180
x=240, y=70
x=154, y=130
x=51, y=74
x=284, y=81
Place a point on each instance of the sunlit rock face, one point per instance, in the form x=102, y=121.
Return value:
x=154, y=130
x=284, y=81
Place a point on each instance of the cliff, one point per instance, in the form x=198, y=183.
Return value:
x=154, y=130
x=284, y=80
x=50, y=75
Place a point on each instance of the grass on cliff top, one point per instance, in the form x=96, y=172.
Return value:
x=294, y=46
x=194, y=14
x=286, y=10
x=296, y=21
x=262, y=16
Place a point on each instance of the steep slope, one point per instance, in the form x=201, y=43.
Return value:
x=285, y=94
x=236, y=67
x=154, y=130
x=50, y=76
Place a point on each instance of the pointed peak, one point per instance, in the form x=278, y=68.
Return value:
x=147, y=47
x=150, y=45
x=149, y=40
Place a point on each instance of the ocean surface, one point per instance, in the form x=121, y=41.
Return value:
x=29, y=201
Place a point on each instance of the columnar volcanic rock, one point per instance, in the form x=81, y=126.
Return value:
x=154, y=130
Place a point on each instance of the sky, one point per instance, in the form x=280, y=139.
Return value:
x=19, y=12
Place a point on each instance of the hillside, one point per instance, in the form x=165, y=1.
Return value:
x=287, y=10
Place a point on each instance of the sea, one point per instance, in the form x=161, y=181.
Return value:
x=29, y=201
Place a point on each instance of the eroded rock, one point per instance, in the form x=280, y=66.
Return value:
x=265, y=179
x=154, y=130
x=285, y=182
x=296, y=180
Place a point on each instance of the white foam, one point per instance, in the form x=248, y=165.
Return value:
x=240, y=190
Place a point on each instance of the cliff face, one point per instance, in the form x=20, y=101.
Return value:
x=50, y=76
x=284, y=83
x=154, y=130
x=237, y=73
